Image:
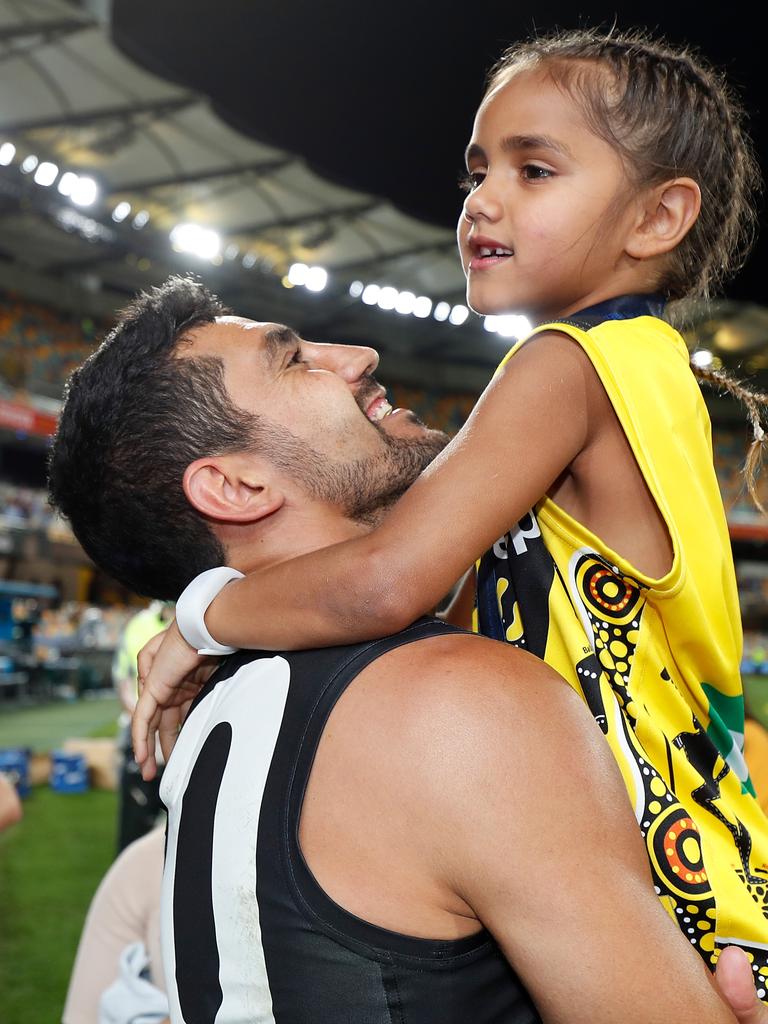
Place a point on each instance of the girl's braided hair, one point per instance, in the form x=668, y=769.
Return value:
x=669, y=114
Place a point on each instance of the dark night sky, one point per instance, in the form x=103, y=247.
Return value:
x=381, y=97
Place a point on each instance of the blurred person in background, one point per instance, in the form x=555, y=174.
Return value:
x=139, y=801
x=10, y=804
x=756, y=756
x=118, y=975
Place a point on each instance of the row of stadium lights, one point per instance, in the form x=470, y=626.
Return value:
x=406, y=302
x=81, y=189
x=206, y=244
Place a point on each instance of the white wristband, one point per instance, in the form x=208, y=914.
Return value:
x=193, y=604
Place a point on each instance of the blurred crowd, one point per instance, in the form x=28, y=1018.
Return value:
x=39, y=348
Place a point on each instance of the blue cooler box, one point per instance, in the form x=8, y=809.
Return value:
x=69, y=772
x=15, y=764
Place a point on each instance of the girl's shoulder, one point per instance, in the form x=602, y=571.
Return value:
x=626, y=345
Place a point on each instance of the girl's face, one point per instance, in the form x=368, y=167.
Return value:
x=543, y=227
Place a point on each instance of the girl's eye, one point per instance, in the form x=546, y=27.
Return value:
x=470, y=181
x=532, y=172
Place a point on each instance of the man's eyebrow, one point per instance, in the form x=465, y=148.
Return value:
x=278, y=339
x=519, y=143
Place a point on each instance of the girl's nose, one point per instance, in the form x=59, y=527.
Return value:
x=483, y=203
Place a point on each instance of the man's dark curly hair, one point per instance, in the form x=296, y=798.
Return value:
x=134, y=418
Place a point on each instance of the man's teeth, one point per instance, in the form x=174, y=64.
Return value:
x=484, y=251
x=379, y=411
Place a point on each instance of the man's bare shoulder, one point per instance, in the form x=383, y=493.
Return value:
x=473, y=697
x=452, y=666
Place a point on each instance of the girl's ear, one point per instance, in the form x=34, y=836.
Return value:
x=667, y=215
x=231, y=489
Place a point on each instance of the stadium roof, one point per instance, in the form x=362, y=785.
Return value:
x=112, y=177
x=154, y=178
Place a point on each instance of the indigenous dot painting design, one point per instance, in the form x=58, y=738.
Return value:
x=611, y=607
x=517, y=581
x=713, y=768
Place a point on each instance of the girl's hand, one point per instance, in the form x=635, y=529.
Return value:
x=735, y=980
x=171, y=674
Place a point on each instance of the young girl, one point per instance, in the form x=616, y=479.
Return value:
x=606, y=176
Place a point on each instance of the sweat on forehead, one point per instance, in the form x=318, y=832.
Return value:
x=242, y=321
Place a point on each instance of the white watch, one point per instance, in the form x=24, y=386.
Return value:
x=193, y=604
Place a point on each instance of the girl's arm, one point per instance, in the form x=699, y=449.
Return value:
x=528, y=427
x=459, y=611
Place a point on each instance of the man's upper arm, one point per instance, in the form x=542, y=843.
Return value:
x=533, y=829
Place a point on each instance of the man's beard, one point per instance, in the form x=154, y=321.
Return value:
x=369, y=487
x=364, y=489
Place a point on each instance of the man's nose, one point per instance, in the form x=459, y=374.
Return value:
x=351, y=362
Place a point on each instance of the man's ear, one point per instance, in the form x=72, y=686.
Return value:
x=232, y=489
x=667, y=214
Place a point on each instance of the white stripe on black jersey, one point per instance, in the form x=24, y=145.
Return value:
x=249, y=937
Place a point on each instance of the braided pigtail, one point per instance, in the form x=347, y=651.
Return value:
x=754, y=402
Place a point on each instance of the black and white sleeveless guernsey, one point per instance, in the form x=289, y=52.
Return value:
x=249, y=937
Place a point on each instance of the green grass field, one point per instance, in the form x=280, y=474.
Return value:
x=45, y=727
x=50, y=864
x=756, y=692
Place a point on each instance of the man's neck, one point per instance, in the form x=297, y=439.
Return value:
x=290, y=533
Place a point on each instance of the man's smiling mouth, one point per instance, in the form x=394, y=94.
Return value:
x=378, y=409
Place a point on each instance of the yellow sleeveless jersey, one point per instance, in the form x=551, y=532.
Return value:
x=656, y=660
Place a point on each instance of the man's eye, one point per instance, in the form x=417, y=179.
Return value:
x=470, y=181
x=296, y=358
x=532, y=172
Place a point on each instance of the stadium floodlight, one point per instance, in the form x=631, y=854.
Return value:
x=141, y=219
x=422, y=307
x=121, y=211
x=67, y=182
x=442, y=311
x=196, y=240
x=513, y=326
x=458, y=315
x=355, y=289
x=387, y=297
x=370, y=294
x=317, y=279
x=249, y=260
x=29, y=163
x=297, y=273
x=231, y=252
x=491, y=323
x=84, y=191
x=702, y=358
x=7, y=153
x=405, y=302
x=46, y=173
